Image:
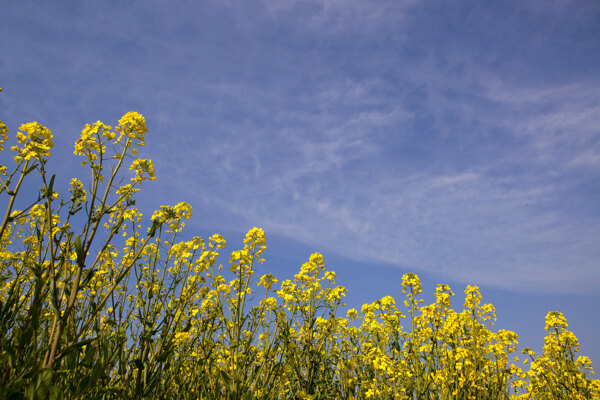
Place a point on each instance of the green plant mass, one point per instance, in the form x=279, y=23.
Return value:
x=95, y=305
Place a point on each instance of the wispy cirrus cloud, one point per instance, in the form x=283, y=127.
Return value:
x=434, y=137
x=503, y=221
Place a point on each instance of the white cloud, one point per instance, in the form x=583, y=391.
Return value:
x=475, y=179
x=508, y=230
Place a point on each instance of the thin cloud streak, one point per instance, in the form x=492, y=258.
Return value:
x=510, y=230
x=469, y=226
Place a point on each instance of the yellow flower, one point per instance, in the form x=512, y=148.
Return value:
x=555, y=320
x=144, y=169
x=78, y=194
x=3, y=135
x=133, y=125
x=267, y=281
x=36, y=140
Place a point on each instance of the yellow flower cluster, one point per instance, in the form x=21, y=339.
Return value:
x=133, y=125
x=78, y=193
x=558, y=373
x=3, y=135
x=173, y=216
x=144, y=169
x=90, y=143
x=35, y=141
x=144, y=314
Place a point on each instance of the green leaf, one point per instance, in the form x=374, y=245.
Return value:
x=98, y=370
x=79, y=251
x=39, y=385
x=50, y=186
x=88, y=277
x=225, y=378
x=164, y=355
x=155, y=225
x=151, y=384
x=34, y=166
x=75, y=211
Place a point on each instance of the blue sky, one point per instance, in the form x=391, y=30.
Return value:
x=458, y=140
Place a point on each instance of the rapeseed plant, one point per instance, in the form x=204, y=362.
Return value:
x=95, y=305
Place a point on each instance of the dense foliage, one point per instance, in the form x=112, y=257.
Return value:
x=94, y=306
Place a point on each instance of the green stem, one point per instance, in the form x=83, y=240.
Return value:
x=11, y=202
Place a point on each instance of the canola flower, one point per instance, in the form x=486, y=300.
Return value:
x=95, y=304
